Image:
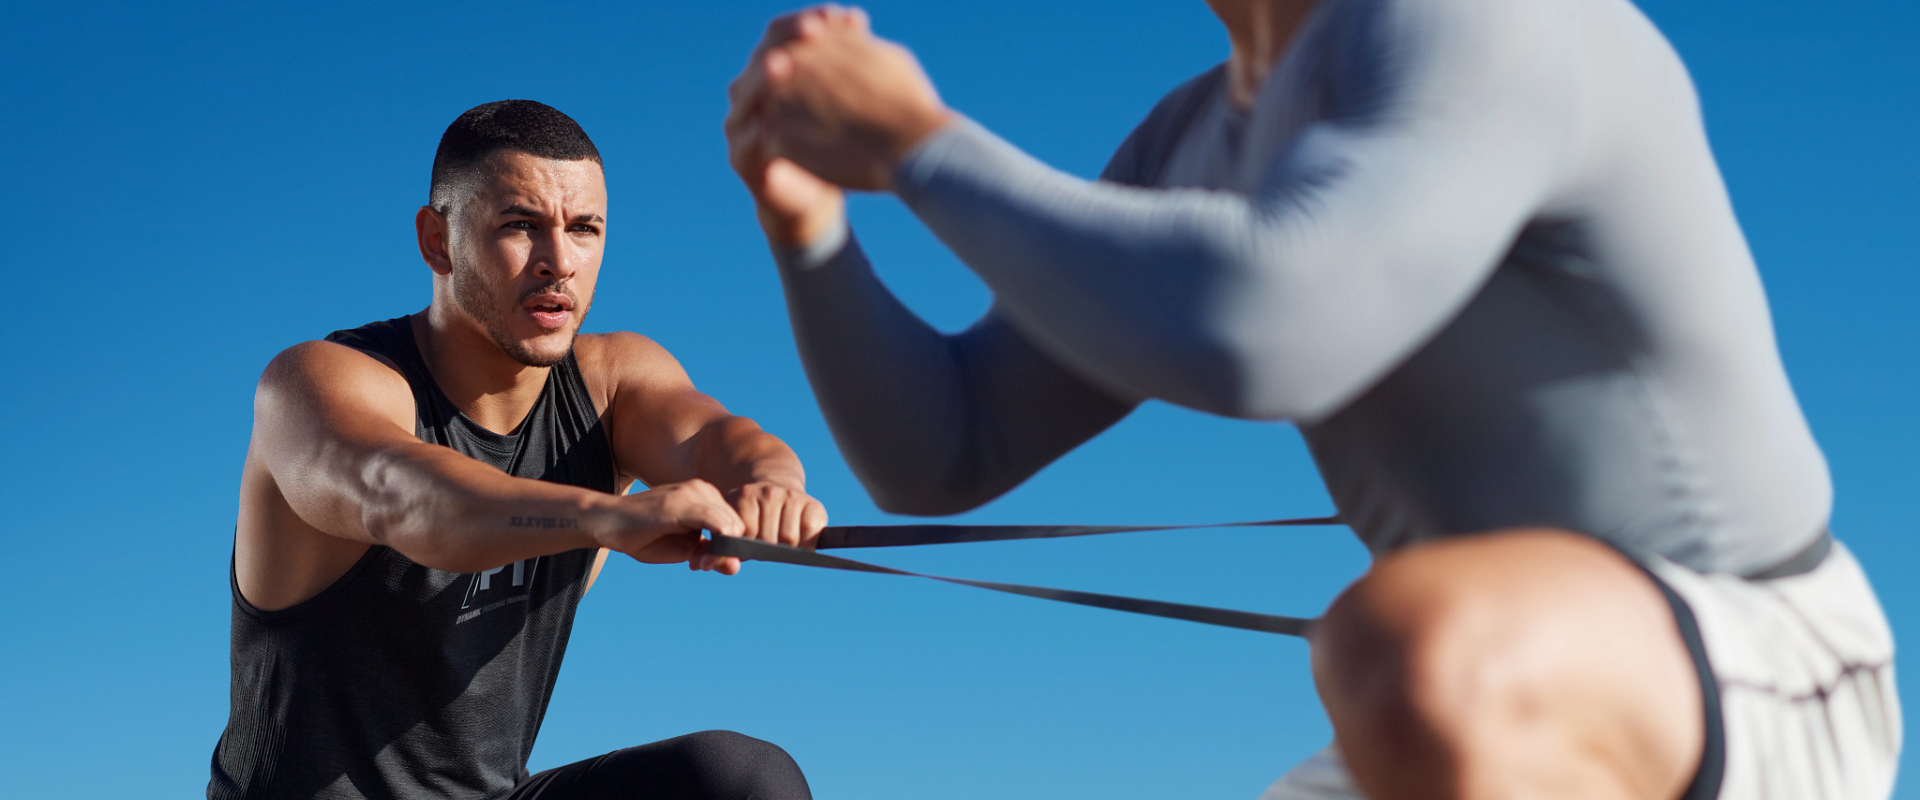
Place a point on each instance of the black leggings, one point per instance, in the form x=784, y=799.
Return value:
x=709, y=765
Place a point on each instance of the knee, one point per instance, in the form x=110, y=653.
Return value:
x=730, y=765
x=1451, y=647
x=1404, y=664
x=1528, y=653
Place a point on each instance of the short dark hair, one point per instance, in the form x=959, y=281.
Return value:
x=530, y=127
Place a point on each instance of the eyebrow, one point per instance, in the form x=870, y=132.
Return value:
x=523, y=211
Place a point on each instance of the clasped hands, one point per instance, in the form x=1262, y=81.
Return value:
x=823, y=105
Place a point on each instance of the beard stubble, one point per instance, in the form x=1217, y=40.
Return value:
x=476, y=298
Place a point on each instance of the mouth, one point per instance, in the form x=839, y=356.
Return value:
x=550, y=311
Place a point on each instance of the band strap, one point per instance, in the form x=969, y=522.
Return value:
x=905, y=535
x=845, y=536
x=850, y=536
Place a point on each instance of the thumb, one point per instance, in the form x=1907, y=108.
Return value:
x=778, y=66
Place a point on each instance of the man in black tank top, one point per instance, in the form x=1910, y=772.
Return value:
x=426, y=499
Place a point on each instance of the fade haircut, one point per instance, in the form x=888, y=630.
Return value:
x=536, y=129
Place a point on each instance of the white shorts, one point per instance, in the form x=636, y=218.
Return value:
x=1802, y=672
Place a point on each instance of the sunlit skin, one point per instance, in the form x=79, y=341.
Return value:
x=1512, y=663
x=514, y=266
x=335, y=467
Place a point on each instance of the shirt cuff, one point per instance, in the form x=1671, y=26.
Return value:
x=951, y=149
x=825, y=249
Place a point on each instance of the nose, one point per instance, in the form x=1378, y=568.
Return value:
x=555, y=257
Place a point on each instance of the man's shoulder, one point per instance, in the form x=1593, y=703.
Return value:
x=624, y=358
x=615, y=351
x=323, y=368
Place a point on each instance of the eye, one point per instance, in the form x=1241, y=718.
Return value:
x=521, y=224
x=585, y=228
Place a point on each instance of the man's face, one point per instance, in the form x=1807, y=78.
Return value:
x=526, y=247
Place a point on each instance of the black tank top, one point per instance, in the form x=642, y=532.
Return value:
x=400, y=681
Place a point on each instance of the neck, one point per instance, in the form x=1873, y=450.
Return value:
x=1259, y=31
x=484, y=382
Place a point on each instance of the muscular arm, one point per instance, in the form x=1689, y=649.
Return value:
x=1448, y=125
x=664, y=430
x=333, y=429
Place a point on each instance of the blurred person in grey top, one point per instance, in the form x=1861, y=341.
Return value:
x=1479, y=250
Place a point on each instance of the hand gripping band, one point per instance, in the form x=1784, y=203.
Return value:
x=905, y=535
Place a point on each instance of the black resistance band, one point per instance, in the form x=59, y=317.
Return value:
x=904, y=535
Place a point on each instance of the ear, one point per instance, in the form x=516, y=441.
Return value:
x=431, y=228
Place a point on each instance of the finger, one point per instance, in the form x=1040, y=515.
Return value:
x=668, y=549
x=714, y=515
x=810, y=25
x=745, y=92
x=746, y=147
x=747, y=154
x=776, y=67
x=770, y=520
x=792, y=25
x=751, y=514
x=706, y=508
x=813, y=520
x=724, y=521
x=790, y=520
x=728, y=566
x=741, y=111
x=781, y=28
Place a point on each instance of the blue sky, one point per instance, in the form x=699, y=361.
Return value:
x=194, y=189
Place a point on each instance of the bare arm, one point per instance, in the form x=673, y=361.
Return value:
x=664, y=430
x=333, y=427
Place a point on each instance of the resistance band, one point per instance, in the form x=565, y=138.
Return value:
x=848, y=536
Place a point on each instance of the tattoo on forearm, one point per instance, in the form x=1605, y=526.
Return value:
x=542, y=522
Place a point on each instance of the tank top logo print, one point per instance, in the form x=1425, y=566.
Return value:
x=496, y=588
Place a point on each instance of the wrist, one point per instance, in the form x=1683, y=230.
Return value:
x=802, y=230
x=915, y=128
x=601, y=519
x=782, y=470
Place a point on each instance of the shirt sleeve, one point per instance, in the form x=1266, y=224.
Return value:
x=931, y=423
x=1445, y=126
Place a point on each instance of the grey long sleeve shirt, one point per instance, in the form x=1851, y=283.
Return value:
x=1478, y=249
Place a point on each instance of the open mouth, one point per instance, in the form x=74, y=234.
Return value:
x=550, y=310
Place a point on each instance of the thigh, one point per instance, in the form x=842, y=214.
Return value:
x=710, y=765
x=1532, y=662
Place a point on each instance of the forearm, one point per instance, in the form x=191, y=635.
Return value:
x=732, y=452
x=446, y=511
